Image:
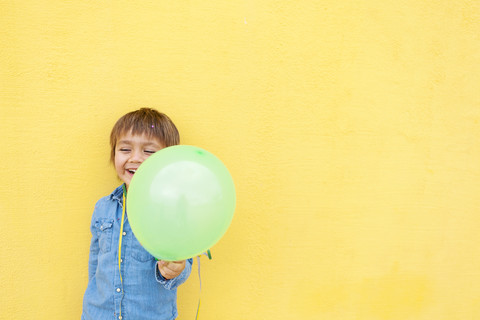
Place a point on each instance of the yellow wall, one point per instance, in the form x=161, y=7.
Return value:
x=351, y=129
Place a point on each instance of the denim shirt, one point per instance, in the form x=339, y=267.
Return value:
x=144, y=293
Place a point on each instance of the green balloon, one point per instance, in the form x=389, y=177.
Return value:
x=180, y=202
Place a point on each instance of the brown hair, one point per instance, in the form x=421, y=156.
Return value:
x=145, y=121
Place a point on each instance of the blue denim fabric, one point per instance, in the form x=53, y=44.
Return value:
x=145, y=294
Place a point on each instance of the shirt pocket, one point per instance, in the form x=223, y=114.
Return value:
x=104, y=231
x=139, y=253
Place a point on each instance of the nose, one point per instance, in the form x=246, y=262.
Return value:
x=136, y=156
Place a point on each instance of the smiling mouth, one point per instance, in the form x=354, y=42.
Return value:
x=132, y=171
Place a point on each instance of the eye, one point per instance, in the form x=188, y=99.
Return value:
x=149, y=151
x=124, y=150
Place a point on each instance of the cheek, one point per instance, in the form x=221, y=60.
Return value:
x=118, y=164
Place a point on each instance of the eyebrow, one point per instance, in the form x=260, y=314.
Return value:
x=144, y=144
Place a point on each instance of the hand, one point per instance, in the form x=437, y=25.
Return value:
x=170, y=269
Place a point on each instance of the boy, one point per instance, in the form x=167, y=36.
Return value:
x=125, y=281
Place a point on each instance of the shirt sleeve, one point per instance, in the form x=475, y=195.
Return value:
x=171, y=284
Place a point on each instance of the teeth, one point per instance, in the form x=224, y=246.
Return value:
x=132, y=170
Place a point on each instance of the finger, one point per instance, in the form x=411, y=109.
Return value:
x=169, y=265
x=173, y=264
x=179, y=261
x=163, y=262
x=166, y=273
x=174, y=267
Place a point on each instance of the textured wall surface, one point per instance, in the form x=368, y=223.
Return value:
x=351, y=129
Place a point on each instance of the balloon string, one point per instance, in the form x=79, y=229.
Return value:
x=200, y=291
x=120, y=244
x=209, y=255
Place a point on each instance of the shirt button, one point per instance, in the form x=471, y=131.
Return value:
x=118, y=290
x=124, y=233
x=120, y=317
x=121, y=260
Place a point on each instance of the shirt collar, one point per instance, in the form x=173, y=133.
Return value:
x=117, y=194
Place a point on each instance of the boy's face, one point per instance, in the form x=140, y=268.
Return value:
x=131, y=151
